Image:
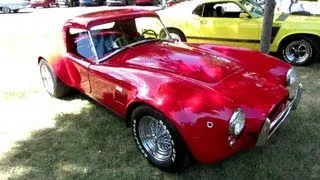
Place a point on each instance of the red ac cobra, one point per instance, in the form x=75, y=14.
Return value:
x=183, y=101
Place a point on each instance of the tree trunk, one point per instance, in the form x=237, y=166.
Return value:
x=267, y=26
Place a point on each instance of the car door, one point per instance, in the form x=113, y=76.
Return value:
x=107, y=85
x=220, y=23
x=79, y=58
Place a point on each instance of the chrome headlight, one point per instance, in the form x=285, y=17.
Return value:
x=291, y=77
x=237, y=122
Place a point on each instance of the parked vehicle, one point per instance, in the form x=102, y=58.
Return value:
x=68, y=3
x=183, y=101
x=143, y=2
x=7, y=6
x=117, y=2
x=42, y=3
x=239, y=23
x=91, y=2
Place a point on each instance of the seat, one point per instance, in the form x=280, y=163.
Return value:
x=220, y=11
x=208, y=11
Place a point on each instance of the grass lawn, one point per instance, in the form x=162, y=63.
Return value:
x=76, y=138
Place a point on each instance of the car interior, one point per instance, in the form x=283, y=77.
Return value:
x=105, y=41
x=218, y=10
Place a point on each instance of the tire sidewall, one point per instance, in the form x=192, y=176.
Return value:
x=173, y=164
x=307, y=42
x=53, y=76
x=6, y=10
x=174, y=31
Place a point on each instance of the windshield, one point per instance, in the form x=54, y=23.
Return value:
x=118, y=35
x=255, y=9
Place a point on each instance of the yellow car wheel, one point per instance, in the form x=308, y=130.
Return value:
x=300, y=50
x=177, y=35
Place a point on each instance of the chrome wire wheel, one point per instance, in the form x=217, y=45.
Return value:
x=47, y=78
x=298, y=52
x=156, y=138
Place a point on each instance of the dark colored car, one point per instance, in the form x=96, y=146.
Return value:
x=91, y=2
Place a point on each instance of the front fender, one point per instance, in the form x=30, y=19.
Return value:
x=190, y=107
x=274, y=47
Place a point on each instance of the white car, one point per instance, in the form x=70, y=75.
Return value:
x=8, y=6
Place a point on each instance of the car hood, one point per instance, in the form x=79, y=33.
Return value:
x=251, y=89
x=181, y=60
x=256, y=93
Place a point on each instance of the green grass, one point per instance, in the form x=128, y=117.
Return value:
x=89, y=142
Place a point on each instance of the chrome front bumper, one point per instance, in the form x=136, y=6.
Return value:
x=269, y=128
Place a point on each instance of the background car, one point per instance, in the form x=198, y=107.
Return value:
x=7, y=6
x=91, y=2
x=68, y=3
x=230, y=22
x=183, y=101
x=42, y=3
x=116, y=2
x=143, y=2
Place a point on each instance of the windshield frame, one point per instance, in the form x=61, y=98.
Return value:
x=242, y=2
x=128, y=46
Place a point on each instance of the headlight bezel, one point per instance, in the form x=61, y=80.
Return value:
x=237, y=122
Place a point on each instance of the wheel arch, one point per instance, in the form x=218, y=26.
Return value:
x=290, y=36
x=41, y=58
x=133, y=105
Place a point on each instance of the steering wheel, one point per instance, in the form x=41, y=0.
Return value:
x=121, y=41
x=150, y=31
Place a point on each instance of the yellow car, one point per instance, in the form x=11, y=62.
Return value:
x=239, y=23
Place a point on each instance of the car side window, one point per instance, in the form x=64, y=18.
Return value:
x=222, y=10
x=80, y=44
x=198, y=10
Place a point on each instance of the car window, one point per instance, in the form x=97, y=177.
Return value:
x=198, y=10
x=80, y=44
x=222, y=10
x=112, y=37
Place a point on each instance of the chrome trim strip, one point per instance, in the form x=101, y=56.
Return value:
x=263, y=137
x=93, y=48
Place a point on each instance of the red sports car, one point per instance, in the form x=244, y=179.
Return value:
x=42, y=3
x=183, y=101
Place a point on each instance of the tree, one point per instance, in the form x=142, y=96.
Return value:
x=267, y=26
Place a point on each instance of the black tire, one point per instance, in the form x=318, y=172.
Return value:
x=178, y=33
x=16, y=11
x=59, y=89
x=5, y=10
x=308, y=45
x=179, y=157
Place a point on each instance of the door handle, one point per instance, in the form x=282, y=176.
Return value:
x=203, y=21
